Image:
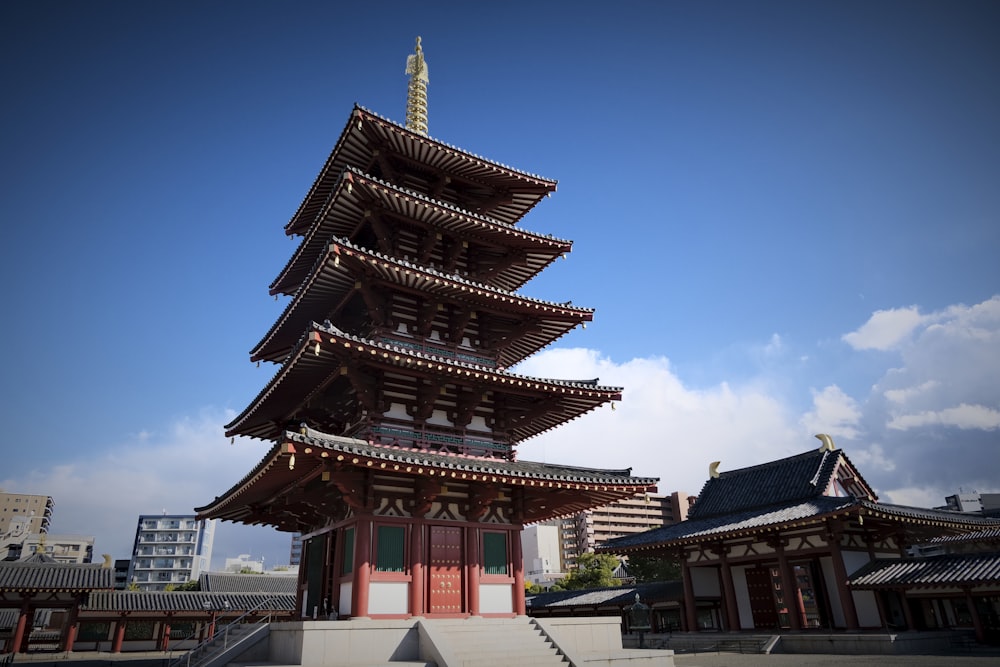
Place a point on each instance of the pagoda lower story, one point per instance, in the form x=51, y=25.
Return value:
x=400, y=532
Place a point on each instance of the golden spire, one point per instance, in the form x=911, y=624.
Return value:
x=416, y=93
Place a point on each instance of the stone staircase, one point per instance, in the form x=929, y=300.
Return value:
x=497, y=643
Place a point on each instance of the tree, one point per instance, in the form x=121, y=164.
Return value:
x=652, y=568
x=192, y=585
x=592, y=571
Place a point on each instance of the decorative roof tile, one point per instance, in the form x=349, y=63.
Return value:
x=948, y=570
x=224, y=582
x=26, y=577
x=187, y=601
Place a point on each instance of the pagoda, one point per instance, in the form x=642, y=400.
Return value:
x=394, y=417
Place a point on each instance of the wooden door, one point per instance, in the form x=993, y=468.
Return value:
x=760, y=588
x=444, y=571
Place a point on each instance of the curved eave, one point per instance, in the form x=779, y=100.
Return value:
x=321, y=353
x=334, y=276
x=357, y=195
x=365, y=129
x=299, y=457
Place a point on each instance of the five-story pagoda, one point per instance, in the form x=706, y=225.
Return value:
x=394, y=417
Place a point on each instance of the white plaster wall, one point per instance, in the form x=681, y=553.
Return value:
x=705, y=581
x=439, y=418
x=388, y=597
x=344, y=604
x=742, y=596
x=830, y=580
x=496, y=599
x=864, y=601
x=398, y=411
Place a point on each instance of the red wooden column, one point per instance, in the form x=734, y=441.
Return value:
x=728, y=590
x=473, y=564
x=116, y=644
x=518, y=558
x=977, y=621
x=417, y=569
x=690, y=608
x=790, y=585
x=22, y=623
x=840, y=574
x=165, y=632
x=362, y=567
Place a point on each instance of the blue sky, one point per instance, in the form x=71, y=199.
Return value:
x=785, y=215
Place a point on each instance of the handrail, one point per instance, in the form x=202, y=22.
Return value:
x=186, y=658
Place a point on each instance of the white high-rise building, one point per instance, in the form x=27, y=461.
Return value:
x=542, y=553
x=170, y=550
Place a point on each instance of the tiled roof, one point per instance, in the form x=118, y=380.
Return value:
x=694, y=530
x=658, y=591
x=309, y=365
x=582, y=487
x=796, y=478
x=357, y=192
x=755, y=520
x=985, y=535
x=930, y=572
x=8, y=618
x=365, y=129
x=333, y=279
x=192, y=601
x=225, y=582
x=38, y=577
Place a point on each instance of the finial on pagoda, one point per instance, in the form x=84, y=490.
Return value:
x=416, y=93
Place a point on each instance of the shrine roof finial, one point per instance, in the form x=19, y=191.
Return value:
x=416, y=94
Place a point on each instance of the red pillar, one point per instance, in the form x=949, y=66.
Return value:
x=977, y=621
x=417, y=569
x=165, y=640
x=790, y=585
x=22, y=623
x=843, y=592
x=69, y=632
x=518, y=558
x=690, y=607
x=116, y=645
x=729, y=593
x=362, y=567
x=472, y=566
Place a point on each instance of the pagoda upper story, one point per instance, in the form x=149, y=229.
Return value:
x=404, y=315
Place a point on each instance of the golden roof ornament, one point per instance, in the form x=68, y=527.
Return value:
x=416, y=93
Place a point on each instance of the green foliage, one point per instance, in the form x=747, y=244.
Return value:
x=592, y=571
x=192, y=585
x=247, y=570
x=169, y=588
x=533, y=589
x=651, y=568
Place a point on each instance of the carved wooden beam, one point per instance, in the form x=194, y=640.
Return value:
x=385, y=235
x=365, y=387
x=426, y=492
x=353, y=484
x=375, y=300
x=452, y=252
x=458, y=320
x=426, y=313
x=480, y=498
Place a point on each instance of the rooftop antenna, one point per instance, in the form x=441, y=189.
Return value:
x=416, y=92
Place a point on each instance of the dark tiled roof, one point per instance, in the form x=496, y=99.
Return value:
x=24, y=576
x=365, y=129
x=694, y=530
x=193, y=601
x=933, y=571
x=753, y=520
x=796, y=478
x=226, y=582
x=658, y=591
x=985, y=535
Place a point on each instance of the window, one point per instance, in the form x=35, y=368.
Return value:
x=495, y=553
x=348, y=565
x=390, y=549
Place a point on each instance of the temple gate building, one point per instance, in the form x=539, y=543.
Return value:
x=394, y=417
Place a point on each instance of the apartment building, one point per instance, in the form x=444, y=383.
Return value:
x=22, y=514
x=582, y=532
x=169, y=550
x=60, y=548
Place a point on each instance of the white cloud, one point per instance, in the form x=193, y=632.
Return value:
x=964, y=416
x=184, y=467
x=909, y=393
x=662, y=428
x=834, y=413
x=885, y=329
